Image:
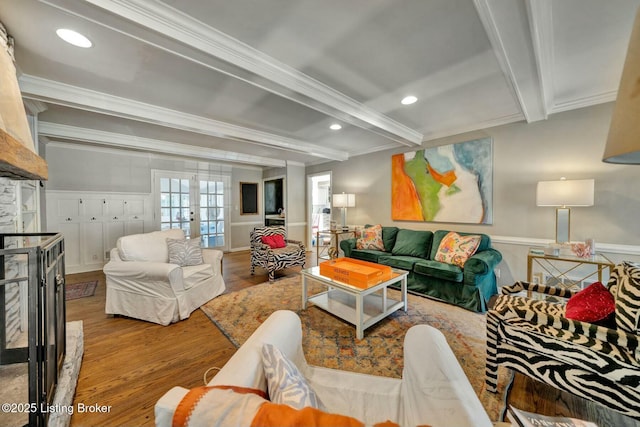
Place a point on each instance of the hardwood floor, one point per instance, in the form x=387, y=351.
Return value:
x=129, y=364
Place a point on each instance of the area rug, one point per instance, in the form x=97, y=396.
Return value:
x=331, y=342
x=80, y=290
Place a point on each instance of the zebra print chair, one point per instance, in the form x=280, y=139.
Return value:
x=594, y=362
x=262, y=255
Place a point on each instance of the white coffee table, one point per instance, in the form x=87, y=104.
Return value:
x=359, y=306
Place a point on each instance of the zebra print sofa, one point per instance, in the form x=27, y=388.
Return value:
x=262, y=255
x=594, y=362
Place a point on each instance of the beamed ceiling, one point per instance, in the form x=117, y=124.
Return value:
x=259, y=82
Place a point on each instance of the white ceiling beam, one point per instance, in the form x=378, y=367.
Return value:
x=111, y=139
x=72, y=96
x=541, y=27
x=283, y=80
x=506, y=25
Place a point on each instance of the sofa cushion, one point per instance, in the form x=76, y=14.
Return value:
x=439, y=270
x=456, y=249
x=399, y=261
x=184, y=252
x=371, y=238
x=149, y=247
x=412, y=243
x=367, y=254
x=192, y=275
x=285, y=384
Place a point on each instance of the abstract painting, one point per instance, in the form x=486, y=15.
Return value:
x=450, y=183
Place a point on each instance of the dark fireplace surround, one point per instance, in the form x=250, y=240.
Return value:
x=35, y=262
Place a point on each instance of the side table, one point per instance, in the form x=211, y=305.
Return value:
x=566, y=270
x=322, y=251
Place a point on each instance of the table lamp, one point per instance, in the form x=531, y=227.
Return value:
x=344, y=201
x=564, y=193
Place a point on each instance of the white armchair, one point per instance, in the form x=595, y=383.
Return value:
x=433, y=390
x=141, y=283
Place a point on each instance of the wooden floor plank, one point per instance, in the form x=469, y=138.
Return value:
x=129, y=364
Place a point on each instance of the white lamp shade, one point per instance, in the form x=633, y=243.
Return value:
x=344, y=200
x=623, y=142
x=577, y=192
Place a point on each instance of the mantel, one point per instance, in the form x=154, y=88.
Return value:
x=18, y=162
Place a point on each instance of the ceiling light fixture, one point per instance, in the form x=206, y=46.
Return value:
x=408, y=100
x=335, y=126
x=73, y=37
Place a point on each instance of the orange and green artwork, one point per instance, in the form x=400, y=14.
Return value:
x=450, y=183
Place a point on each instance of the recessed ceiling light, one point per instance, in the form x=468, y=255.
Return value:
x=408, y=100
x=73, y=37
x=335, y=126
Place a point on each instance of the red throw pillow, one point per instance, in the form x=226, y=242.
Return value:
x=268, y=240
x=278, y=240
x=274, y=241
x=592, y=304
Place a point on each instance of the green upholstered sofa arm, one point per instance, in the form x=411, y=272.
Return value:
x=483, y=262
x=347, y=245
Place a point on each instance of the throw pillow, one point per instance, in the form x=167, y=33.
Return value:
x=371, y=238
x=456, y=249
x=184, y=252
x=594, y=304
x=274, y=241
x=285, y=383
x=625, y=285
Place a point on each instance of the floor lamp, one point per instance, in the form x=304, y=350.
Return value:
x=344, y=201
x=563, y=194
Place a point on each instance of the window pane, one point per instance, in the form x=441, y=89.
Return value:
x=165, y=215
x=220, y=202
x=184, y=186
x=220, y=188
x=220, y=216
x=203, y=187
x=212, y=200
x=175, y=214
x=165, y=200
x=184, y=200
x=175, y=185
x=175, y=200
x=164, y=185
x=220, y=227
x=165, y=226
x=203, y=214
x=203, y=200
x=186, y=226
x=186, y=214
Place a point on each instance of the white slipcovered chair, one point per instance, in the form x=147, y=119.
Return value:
x=433, y=389
x=143, y=284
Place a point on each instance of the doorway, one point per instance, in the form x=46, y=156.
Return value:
x=195, y=203
x=319, y=205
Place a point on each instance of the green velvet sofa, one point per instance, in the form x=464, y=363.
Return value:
x=470, y=287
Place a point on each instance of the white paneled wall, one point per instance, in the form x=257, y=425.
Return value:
x=92, y=222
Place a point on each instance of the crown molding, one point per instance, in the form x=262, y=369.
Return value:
x=585, y=101
x=34, y=107
x=283, y=80
x=72, y=96
x=54, y=130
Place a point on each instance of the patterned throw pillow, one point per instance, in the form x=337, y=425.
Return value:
x=625, y=285
x=371, y=238
x=184, y=252
x=456, y=249
x=285, y=383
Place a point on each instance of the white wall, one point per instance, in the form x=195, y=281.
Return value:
x=567, y=144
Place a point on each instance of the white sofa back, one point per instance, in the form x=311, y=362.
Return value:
x=147, y=247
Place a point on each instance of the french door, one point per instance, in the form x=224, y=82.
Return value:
x=195, y=203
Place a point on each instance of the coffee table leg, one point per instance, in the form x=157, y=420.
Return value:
x=403, y=287
x=359, y=316
x=304, y=292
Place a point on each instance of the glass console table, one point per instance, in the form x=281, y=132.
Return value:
x=566, y=269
